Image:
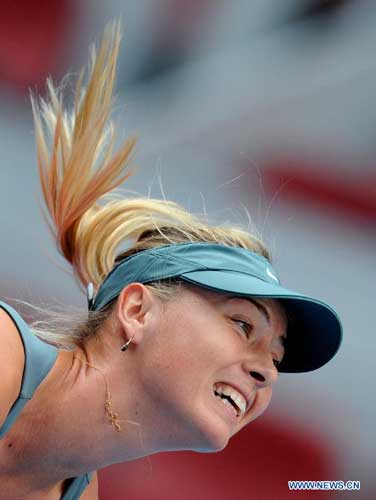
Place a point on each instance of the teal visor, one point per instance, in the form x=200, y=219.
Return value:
x=314, y=331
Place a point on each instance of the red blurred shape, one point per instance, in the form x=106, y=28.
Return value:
x=256, y=464
x=349, y=193
x=32, y=33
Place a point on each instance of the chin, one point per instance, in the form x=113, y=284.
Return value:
x=210, y=450
x=212, y=438
x=206, y=429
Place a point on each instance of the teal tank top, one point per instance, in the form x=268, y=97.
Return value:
x=39, y=360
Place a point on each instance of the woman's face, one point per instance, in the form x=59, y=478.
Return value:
x=204, y=339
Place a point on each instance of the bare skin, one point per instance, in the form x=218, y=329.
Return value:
x=161, y=387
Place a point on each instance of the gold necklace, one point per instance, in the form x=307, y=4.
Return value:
x=112, y=416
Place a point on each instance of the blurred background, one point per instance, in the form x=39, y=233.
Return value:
x=265, y=105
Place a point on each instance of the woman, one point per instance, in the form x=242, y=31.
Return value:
x=187, y=328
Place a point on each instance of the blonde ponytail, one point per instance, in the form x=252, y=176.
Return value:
x=90, y=222
x=79, y=166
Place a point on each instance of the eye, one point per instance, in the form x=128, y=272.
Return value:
x=246, y=326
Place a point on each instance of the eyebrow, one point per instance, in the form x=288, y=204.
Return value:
x=261, y=308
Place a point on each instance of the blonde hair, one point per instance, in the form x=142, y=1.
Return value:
x=78, y=169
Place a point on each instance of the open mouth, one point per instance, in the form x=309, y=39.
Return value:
x=228, y=401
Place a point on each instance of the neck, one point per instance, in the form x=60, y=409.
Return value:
x=65, y=431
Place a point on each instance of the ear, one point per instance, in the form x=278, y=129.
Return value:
x=137, y=311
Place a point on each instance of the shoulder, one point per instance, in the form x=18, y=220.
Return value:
x=12, y=362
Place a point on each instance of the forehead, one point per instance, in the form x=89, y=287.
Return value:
x=267, y=307
x=271, y=309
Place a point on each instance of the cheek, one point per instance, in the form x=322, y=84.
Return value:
x=261, y=403
x=186, y=354
x=195, y=334
x=174, y=352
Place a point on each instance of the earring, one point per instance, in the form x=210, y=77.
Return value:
x=125, y=346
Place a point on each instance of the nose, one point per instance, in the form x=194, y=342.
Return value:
x=262, y=370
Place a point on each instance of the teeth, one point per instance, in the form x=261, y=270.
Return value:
x=238, y=399
x=226, y=402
